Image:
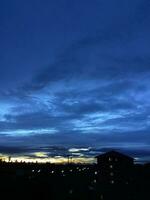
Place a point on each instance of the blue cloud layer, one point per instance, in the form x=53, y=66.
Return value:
x=95, y=90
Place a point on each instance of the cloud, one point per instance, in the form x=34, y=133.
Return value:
x=113, y=52
x=95, y=92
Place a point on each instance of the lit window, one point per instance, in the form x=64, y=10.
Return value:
x=111, y=166
x=110, y=159
x=95, y=173
x=112, y=181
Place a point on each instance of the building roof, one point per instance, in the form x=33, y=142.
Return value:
x=114, y=153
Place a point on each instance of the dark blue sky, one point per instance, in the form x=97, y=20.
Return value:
x=74, y=77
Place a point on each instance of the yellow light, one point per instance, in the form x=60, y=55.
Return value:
x=41, y=157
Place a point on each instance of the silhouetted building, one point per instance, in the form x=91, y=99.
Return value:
x=115, y=176
x=114, y=168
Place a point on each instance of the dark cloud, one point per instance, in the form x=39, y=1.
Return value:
x=113, y=52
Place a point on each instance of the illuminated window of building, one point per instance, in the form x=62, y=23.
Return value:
x=96, y=173
x=111, y=166
x=112, y=182
x=110, y=159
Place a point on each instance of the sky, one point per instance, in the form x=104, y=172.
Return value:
x=74, y=79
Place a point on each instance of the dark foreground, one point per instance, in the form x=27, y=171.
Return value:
x=74, y=182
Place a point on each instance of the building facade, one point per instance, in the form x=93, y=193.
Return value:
x=114, y=168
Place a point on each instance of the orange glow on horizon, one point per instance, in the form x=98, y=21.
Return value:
x=42, y=159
